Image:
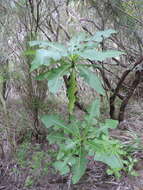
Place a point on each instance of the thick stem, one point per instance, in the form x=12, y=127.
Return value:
x=79, y=105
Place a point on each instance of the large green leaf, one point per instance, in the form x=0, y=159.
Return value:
x=75, y=127
x=89, y=45
x=62, y=167
x=94, y=55
x=75, y=42
x=55, y=73
x=95, y=145
x=101, y=35
x=37, y=64
x=54, y=46
x=94, y=110
x=56, y=137
x=59, y=47
x=40, y=43
x=55, y=84
x=29, y=52
x=79, y=168
x=109, y=124
x=54, y=79
x=91, y=79
x=70, y=144
x=50, y=53
x=111, y=160
x=53, y=120
x=50, y=120
x=43, y=57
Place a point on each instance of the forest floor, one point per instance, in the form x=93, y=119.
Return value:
x=30, y=167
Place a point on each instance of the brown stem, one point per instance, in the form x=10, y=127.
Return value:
x=119, y=85
x=116, y=91
x=129, y=95
x=2, y=153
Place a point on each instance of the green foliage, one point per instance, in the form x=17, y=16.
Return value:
x=21, y=155
x=91, y=79
x=99, y=36
x=33, y=158
x=79, y=167
x=66, y=60
x=29, y=182
x=129, y=165
x=80, y=139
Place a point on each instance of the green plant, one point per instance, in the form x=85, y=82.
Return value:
x=33, y=158
x=69, y=60
x=29, y=181
x=79, y=139
x=36, y=163
x=21, y=154
x=129, y=165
